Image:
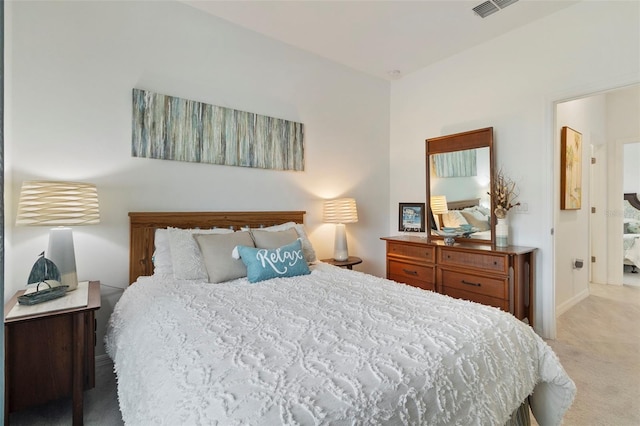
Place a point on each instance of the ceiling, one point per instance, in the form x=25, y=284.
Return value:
x=386, y=39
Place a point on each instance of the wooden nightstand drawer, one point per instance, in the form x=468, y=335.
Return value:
x=492, y=287
x=478, y=260
x=424, y=253
x=409, y=273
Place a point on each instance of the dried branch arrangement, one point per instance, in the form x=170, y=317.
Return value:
x=503, y=194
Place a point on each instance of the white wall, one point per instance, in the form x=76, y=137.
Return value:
x=511, y=83
x=70, y=70
x=631, y=168
x=623, y=114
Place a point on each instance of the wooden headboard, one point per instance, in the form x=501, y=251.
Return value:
x=633, y=199
x=143, y=227
x=463, y=204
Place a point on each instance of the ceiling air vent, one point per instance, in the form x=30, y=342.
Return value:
x=485, y=9
x=491, y=6
x=504, y=3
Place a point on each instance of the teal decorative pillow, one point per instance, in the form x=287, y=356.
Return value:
x=264, y=264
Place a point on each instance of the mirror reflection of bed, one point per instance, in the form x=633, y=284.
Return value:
x=472, y=212
x=631, y=233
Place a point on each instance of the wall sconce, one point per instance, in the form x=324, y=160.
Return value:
x=439, y=207
x=59, y=204
x=340, y=211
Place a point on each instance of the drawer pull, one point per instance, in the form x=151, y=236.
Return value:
x=410, y=272
x=470, y=283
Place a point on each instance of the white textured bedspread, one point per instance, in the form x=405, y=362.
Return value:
x=333, y=347
x=632, y=248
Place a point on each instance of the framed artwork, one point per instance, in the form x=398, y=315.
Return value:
x=170, y=128
x=411, y=217
x=570, y=169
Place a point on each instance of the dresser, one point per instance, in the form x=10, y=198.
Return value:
x=503, y=277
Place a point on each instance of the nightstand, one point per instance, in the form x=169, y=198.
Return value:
x=50, y=355
x=351, y=260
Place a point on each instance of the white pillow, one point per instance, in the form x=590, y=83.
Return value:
x=273, y=239
x=307, y=248
x=633, y=227
x=162, y=264
x=185, y=249
x=482, y=209
x=476, y=219
x=453, y=219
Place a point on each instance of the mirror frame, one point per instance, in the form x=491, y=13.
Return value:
x=480, y=138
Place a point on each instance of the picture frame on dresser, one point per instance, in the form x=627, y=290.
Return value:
x=411, y=217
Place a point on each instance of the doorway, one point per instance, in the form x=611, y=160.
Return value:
x=631, y=215
x=604, y=119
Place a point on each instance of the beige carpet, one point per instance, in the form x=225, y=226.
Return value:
x=598, y=343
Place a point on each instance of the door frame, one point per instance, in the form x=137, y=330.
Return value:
x=547, y=295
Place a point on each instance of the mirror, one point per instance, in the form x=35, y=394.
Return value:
x=459, y=173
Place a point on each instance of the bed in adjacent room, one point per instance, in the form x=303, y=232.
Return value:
x=324, y=345
x=631, y=235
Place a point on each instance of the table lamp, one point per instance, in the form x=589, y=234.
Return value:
x=439, y=207
x=340, y=211
x=59, y=204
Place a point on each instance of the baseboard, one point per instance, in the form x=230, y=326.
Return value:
x=564, y=307
x=102, y=360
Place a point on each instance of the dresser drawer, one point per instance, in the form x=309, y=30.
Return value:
x=424, y=253
x=409, y=273
x=492, y=287
x=478, y=298
x=478, y=260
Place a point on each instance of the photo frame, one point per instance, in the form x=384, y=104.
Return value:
x=411, y=217
x=570, y=169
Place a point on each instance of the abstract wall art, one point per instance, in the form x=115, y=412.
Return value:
x=171, y=128
x=455, y=164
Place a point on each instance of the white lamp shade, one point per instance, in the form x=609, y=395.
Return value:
x=439, y=204
x=58, y=204
x=340, y=210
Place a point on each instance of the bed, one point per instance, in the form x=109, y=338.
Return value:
x=330, y=346
x=631, y=233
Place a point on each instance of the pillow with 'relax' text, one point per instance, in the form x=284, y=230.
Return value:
x=264, y=264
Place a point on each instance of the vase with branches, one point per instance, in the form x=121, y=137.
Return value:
x=503, y=198
x=503, y=194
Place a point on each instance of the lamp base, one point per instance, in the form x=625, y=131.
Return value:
x=61, y=253
x=340, y=249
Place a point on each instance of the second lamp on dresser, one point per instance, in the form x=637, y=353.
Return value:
x=502, y=277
